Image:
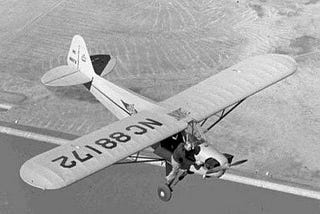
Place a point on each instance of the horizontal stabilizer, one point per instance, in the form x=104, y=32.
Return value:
x=64, y=76
x=103, y=64
x=112, y=62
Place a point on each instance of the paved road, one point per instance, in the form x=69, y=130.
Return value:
x=125, y=189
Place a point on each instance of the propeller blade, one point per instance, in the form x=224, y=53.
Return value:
x=224, y=167
x=217, y=169
x=238, y=162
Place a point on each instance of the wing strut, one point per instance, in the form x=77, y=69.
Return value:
x=224, y=113
x=139, y=159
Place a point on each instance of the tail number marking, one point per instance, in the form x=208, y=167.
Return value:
x=73, y=60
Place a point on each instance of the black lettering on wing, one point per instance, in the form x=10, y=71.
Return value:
x=106, y=143
x=120, y=137
x=93, y=149
x=142, y=130
x=150, y=123
x=63, y=162
x=81, y=159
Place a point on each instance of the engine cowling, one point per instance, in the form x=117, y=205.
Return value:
x=210, y=157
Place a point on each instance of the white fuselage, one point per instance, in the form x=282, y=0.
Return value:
x=123, y=103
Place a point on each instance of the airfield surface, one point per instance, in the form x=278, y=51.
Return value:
x=162, y=48
x=130, y=189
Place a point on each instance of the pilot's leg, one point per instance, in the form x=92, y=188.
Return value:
x=174, y=172
x=183, y=174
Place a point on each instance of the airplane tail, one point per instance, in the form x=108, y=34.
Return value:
x=81, y=67
x=84, y=69
x=78, y=57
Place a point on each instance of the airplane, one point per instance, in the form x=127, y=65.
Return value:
x=146, y=126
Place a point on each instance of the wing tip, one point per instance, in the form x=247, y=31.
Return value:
x=34, y=178
x=285, y=60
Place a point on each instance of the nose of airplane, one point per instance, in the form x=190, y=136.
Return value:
x=212, y=159
x=224, y=167
x=208, y=152
x=211, y=163
x=216, y=163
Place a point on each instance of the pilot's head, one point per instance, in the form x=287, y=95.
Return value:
x=188, y=145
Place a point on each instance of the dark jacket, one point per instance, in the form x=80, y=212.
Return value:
x=183, y=157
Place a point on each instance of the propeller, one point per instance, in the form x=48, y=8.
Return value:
x=226, y=166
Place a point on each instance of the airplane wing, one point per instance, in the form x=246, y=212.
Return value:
x=83, y=156
x=232, y=85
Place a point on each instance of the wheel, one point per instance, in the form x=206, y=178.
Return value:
x=164, y=192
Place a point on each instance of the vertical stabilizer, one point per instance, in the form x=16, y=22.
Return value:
x=78, y=57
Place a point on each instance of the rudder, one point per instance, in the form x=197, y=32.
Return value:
x=79, y=58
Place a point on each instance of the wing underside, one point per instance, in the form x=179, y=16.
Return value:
x=232, y=85
x=81, y=157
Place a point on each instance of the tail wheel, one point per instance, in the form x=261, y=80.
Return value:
x=164, y=192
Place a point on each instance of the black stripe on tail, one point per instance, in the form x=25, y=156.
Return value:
x=99, y=62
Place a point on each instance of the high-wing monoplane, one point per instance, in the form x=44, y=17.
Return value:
x=145, y=126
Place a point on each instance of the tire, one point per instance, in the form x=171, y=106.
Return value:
x=164, y=192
